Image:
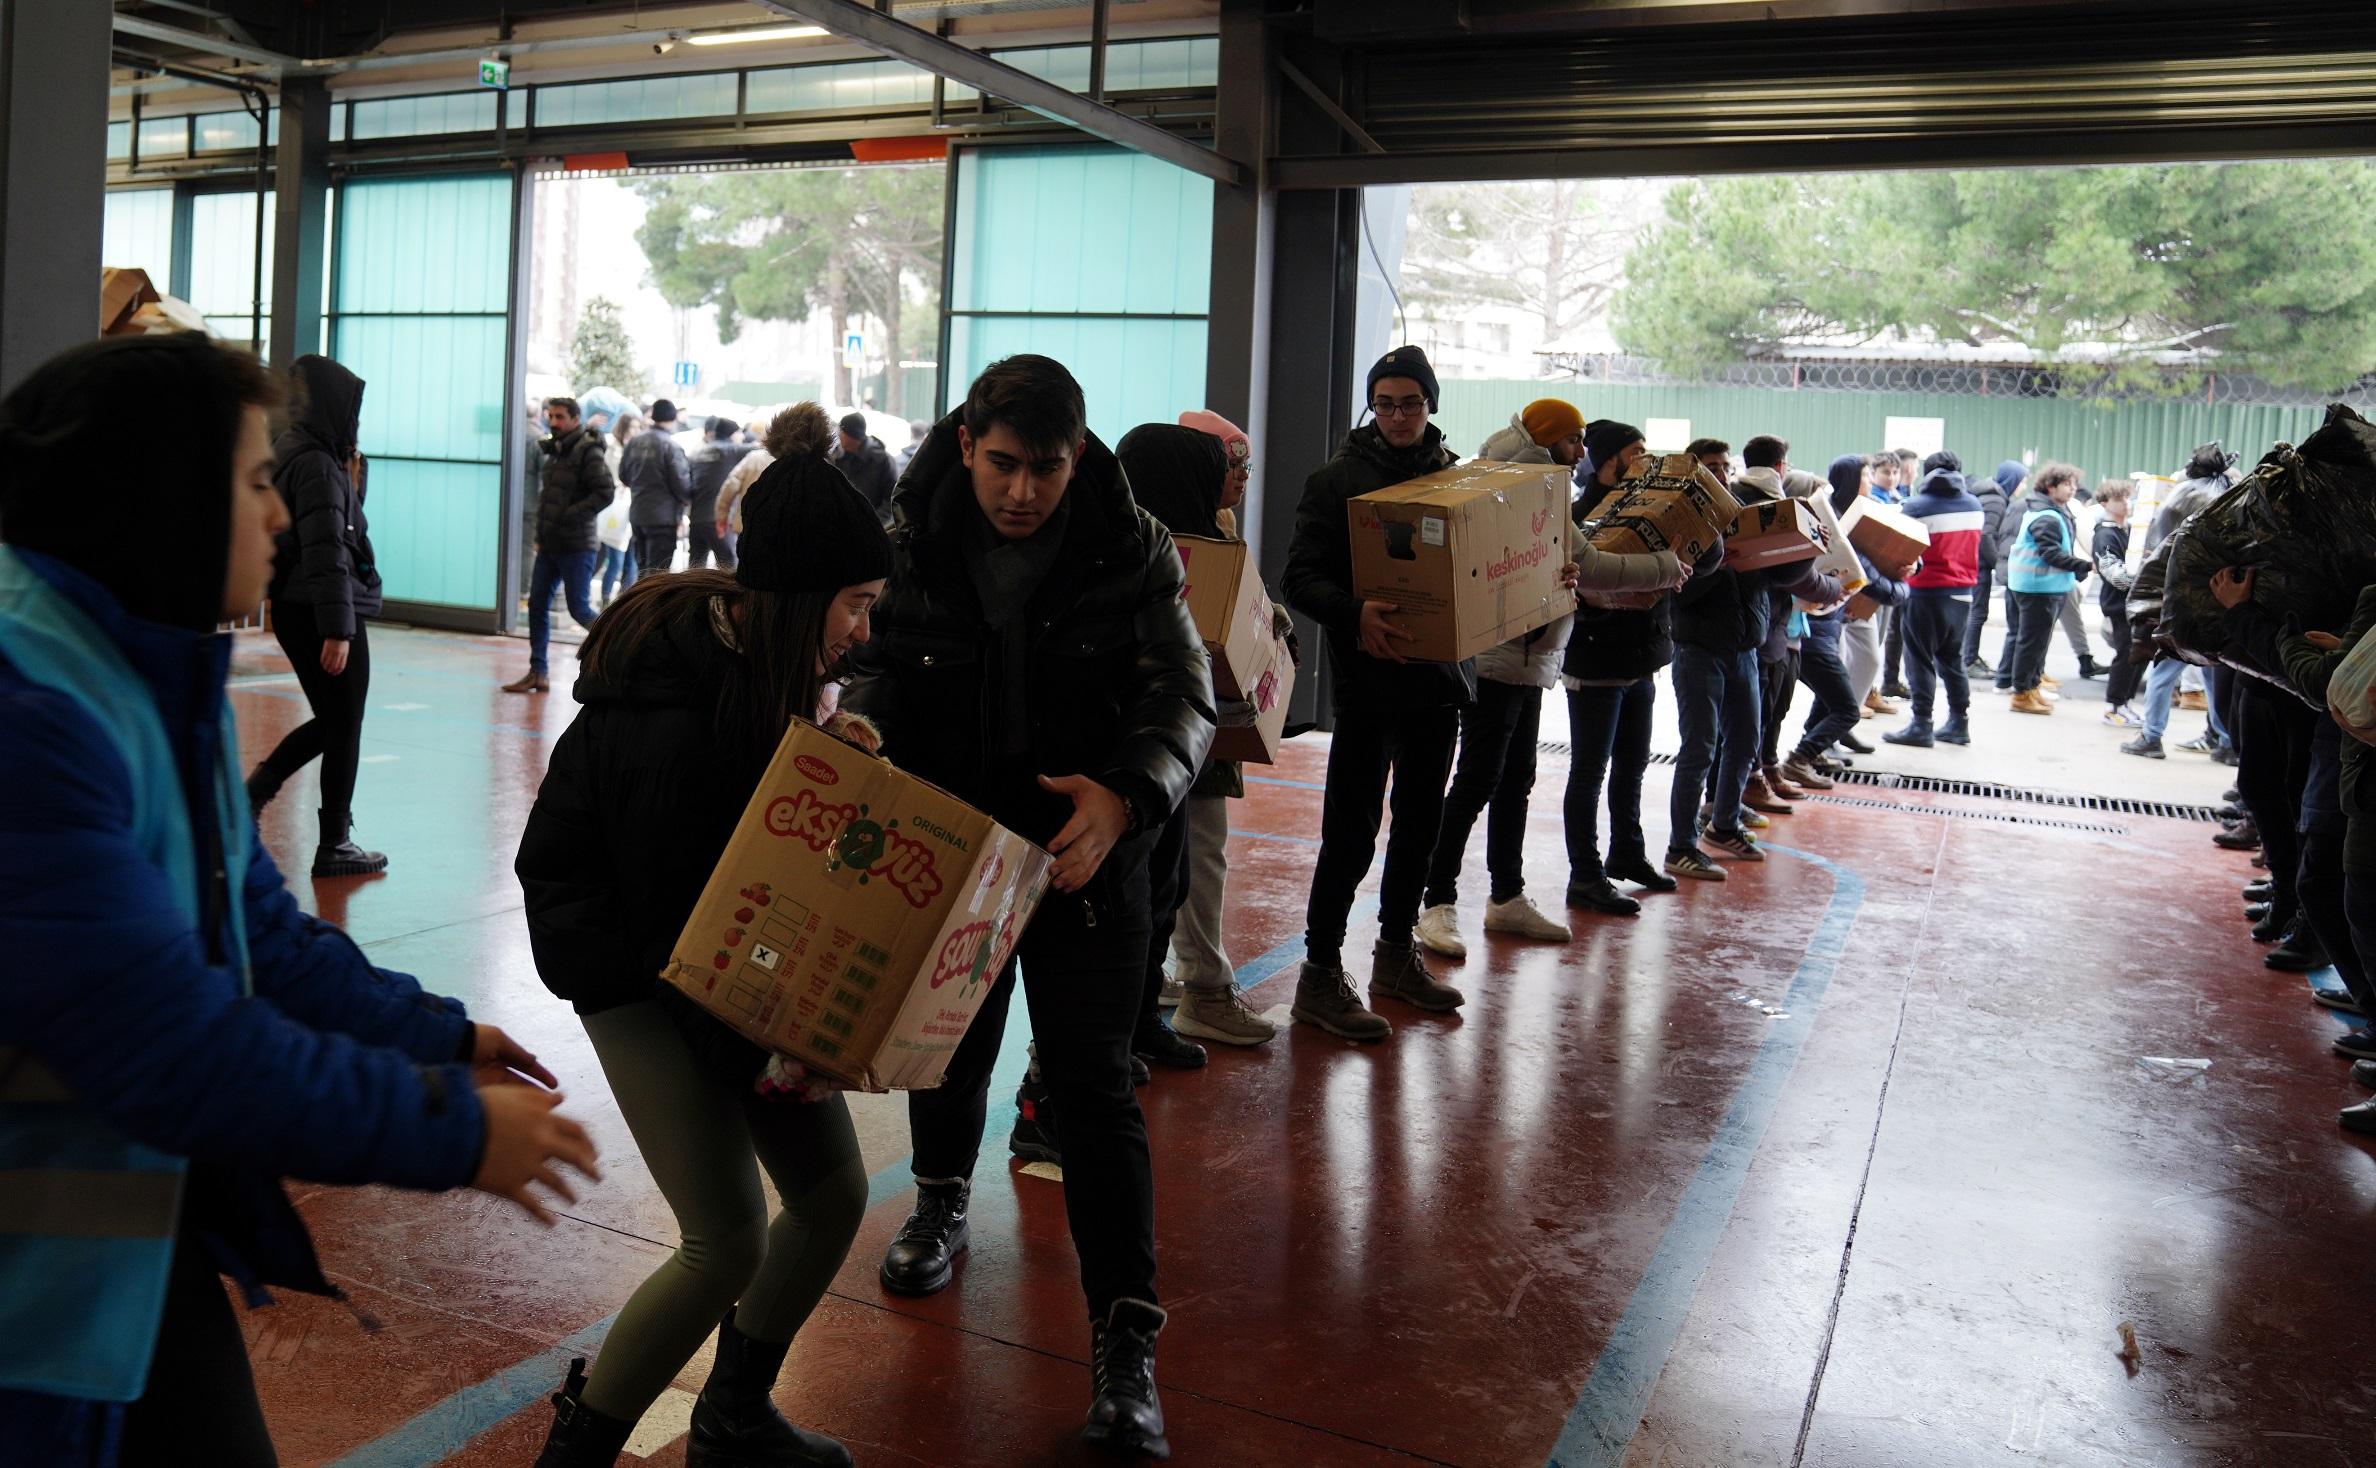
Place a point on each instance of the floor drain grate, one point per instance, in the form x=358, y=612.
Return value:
x=1985, y=790
x=2091, y=827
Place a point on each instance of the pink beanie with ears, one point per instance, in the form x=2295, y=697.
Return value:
x=1204, y=420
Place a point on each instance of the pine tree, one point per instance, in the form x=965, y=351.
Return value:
x=601, y=355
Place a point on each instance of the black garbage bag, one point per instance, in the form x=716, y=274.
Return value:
x=2304, y=521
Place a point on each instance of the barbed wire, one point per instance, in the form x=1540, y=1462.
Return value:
x=2081, y=381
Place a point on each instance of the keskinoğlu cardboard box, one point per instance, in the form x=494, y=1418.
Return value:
x=1470, y=556
x=1773, y=533
x=858, y=917
x=1232, y=611
x=1894, y=539
x=1251, y=727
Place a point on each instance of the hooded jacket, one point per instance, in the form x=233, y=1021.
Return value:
x=872, y=471
x=577, y=488
x=1995, y=495
x=1115, y=681
x=324, y=558
x=1319, y=579
x=1955, y=521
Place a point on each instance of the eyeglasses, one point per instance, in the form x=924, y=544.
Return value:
x=1405, y=408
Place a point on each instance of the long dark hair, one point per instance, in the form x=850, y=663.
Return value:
x=779, y=640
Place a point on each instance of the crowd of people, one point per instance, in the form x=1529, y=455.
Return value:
x=1003, y=615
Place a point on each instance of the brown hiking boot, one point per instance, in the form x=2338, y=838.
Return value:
x=1398, y=972
x=1760, y=795
x=530, y=683
x=1800, y=769
x=1779, y=784
x=2031, y=702
x=1325, y=997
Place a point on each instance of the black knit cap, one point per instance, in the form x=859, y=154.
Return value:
x=806, y=529
x=1406, y=362
x=161, y=545
x=1606, y=438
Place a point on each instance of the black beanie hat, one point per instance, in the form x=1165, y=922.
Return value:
x=663, y=411
x=1606, y=438
x=1405, y=362
x=1942, y=460
x=806, y=529
x=854, y=424
x=151, y=518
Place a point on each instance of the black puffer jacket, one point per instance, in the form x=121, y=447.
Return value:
x=871, y=470
x=1117, y=686
x=1319, y=580
x=324, y=558
x=577, y=488
x=637, y=804
x=710, y=466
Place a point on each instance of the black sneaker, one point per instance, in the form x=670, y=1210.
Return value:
x=1854, y=745
x=2363, y=1073
x=2242, y=836
x=2268, y=930
x=1687, y=861
x=2090, y=670
x=1917, y=736
x=2298, y=954
x=1158, y=1045
x=1978, y=668
x=1638, y=870
x=1896, y=690
x=1739, y=845
x=2226, y=755
x=2144, y=746
x=1597, y=894
x=924, y=1254
x=2339, y=1000
x=1956, y=730
x=2358, y=1044
x=1034, y=1136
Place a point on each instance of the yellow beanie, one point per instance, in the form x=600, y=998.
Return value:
x=1548, y=420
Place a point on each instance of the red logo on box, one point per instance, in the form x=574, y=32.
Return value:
x=816, y=769
x=873, y=848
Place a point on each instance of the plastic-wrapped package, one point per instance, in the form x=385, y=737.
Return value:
x=2304, y=521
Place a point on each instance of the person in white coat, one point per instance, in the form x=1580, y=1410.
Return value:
x=1495, y=775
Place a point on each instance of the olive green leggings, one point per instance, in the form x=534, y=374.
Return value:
x=700, y=1133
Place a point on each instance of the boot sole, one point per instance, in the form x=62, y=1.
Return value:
x=350, y=869
x=1431, y=1006
x=1127, y=1444
x=1302, y=1015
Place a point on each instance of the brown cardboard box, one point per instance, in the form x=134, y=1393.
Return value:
x=1644, y=521
x=1688, y=477
x=1838, y=560
x=1773, y=533
x=1470, y=556
x=1894, y=539
x=858, y=917
x=1252, y=727
x=1860, y=607
x=1232, y=611
x=122, y=292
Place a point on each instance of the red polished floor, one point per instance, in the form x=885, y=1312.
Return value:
x=1861, y=1158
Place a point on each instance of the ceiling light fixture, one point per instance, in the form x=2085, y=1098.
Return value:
x=763, y=33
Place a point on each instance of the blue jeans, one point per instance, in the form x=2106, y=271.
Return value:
x=571, y=570
x=2161, y=686
x=616, y=567
x=1609, y=736
x=1716, y=700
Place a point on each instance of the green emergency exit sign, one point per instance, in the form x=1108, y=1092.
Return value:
x=494, y=72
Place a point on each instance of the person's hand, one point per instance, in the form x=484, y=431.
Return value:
x=2231, y=586
x=1567, y=576
x=334, y=655
x=1099, y=820
x=785, y=1076
x=1379, y=634
x=1682, y=574
x=501, y=1059
x=527, y=1140
x=722, y=532
x=2327, y=641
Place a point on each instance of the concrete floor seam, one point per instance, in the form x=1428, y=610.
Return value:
x=1864, y=1181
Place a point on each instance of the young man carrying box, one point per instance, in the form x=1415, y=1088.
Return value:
x=1032, y=656
x=1393, y=716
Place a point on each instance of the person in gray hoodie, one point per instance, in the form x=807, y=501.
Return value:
x=1496, y=772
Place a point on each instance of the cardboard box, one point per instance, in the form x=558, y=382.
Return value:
x=122, y=292
x=1893, y=539
x=858, y=917
x=1773, y=533
x=1682, y=474
x=1232, y=610
x=1470, y=556
x=1647, y=521
x=1861, y=607
x=1252, y=727
x=1838, y=560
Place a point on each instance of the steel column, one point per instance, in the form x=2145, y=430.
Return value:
x=53, y=178
x=301, y=211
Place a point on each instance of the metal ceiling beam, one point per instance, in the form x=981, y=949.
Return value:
x=854, y=21
x=150, y=30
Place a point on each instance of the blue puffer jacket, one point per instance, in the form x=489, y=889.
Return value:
x=142, y=1071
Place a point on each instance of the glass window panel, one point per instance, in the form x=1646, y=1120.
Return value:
x=581, y=104
x=425, y=244
x=222, y=260
x=433, y=528
x=137, y=233
x=406, y=117
x=1131, y=372
x=435, y=384
x=1015, y=251
x=119, y=140
x=217, y=130
x=840, y=84
x=515, y=108
x=164, y=137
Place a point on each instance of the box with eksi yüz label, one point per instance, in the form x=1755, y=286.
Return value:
x=1470, y=556
x=857, y=918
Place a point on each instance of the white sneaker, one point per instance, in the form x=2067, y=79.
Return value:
x=1519, y=915
x=1439, y=932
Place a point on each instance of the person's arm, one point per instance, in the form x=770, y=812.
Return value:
x=2048, y=535
x=1600, y=570
x=679, y=473
x=314, y=973
x=324, y=579
x=2307, y=663
x=596, y=487
x=1885, y=589
x=1320, y=559
x=1992, y=520
x=110, y=988
x=1802, y=580
x=1706, y=576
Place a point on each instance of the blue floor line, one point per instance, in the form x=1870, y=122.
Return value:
x=1610, y=1407
x=1290, y=784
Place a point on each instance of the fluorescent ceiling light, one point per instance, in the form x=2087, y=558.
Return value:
x=763, y=33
